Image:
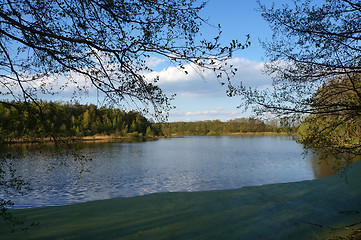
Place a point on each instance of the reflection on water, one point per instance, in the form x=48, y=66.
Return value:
x=327, y=164
x=166, y=165
x=323, y=168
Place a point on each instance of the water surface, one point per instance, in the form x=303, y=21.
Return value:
x=166, y=165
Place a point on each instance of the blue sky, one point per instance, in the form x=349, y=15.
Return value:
x=203, y=98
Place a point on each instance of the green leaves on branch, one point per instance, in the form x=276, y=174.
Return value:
x=336, y=127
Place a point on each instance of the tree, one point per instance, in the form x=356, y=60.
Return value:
x=315, y=57
x=315, y=61
x=106, y=43
x=313, y=41
x=336, y=131
x=149, y=132
x=48, y=45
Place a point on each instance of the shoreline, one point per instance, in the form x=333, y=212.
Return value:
x=99, y=138
x=312, y=209
x=106, y=138
x=244, y=134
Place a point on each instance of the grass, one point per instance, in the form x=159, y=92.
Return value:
x=302, y=210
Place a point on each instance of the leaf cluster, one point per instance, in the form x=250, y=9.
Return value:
x=336, y=128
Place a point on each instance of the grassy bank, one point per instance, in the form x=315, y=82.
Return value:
x=279, y=211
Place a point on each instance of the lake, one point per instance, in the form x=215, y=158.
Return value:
x=166, y=165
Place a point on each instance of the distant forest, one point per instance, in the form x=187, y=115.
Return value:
x=238, y=125
x=28, y=121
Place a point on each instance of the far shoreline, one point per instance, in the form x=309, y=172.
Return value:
x=241, y=134
x=110, y=138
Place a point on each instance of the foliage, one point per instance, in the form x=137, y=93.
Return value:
x=313, y=41
x=238, y=125
x=57, y=121
x=47, y=47
x=315, y=58
x=24, y=121
x=331, y=130
x=315, y=63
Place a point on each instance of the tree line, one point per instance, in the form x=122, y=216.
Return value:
x=30, y=121
x=238, y=125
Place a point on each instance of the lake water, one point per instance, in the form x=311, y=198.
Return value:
x=165, y=165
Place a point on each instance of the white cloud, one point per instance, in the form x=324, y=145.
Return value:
x=154, y=61
x=195, y=84
x=198, y=83
x=192, y=95
x=175, y=74
x=208, y=114
x=200, y=96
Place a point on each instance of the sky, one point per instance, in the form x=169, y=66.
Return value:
x=202, y=97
